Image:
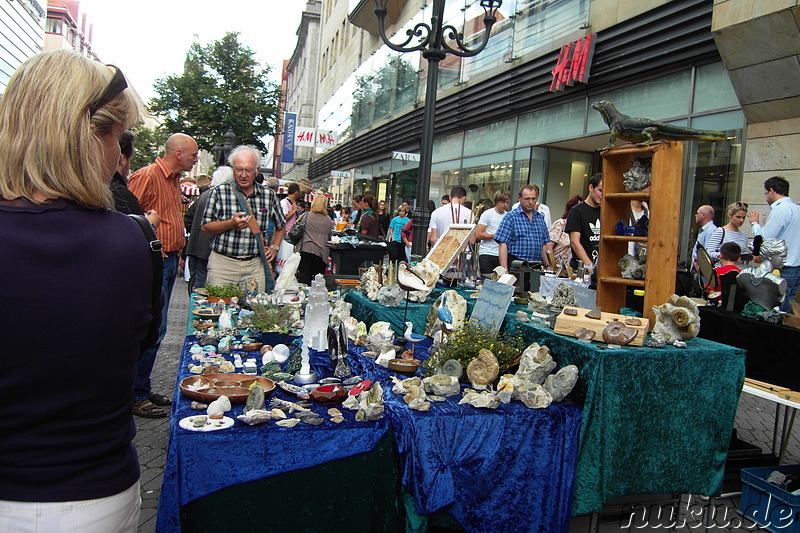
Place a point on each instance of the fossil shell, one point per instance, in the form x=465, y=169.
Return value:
x=681, y=317
x=633, y=321
x=617, y=333
x=584, y=333
x=483, y=369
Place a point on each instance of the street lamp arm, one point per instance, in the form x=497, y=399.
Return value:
x=462, y=51
x=416, y=32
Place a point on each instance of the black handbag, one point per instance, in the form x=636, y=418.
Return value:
x=295, y=234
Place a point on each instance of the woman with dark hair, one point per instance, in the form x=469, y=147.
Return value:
x=313, y=252
x=368, y=221
x=67, y=461
x=563, y=250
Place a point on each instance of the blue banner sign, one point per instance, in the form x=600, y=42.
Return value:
x=289, y=128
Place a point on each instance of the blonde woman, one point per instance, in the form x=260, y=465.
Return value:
x=730, y=232
x=313, y=252
x=78, y=279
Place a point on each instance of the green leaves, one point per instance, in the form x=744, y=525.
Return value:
x=222, y=87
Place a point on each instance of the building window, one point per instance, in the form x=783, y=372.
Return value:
x=55, y=25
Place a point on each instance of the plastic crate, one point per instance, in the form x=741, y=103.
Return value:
x=768, y=505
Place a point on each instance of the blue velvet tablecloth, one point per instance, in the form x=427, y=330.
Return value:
x=509, y=469
x=199, y=464
x=654, y=420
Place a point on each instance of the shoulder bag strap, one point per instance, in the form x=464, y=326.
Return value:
x=254, y=228
x=155, y=255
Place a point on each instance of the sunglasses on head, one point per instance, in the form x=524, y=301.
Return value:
x=741, y=205
x=113, y=89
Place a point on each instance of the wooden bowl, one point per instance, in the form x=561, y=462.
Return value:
x=252, y=346
x=406, y=366
x=329, y=394
x=235, y=386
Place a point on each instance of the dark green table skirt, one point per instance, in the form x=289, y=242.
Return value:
x=357, y=493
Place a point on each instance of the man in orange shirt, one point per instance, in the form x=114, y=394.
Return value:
x=157, y=187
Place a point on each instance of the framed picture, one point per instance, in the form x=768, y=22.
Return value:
x=452, y=243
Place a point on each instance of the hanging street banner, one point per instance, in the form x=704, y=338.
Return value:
x=326, y=139
x=289, y=127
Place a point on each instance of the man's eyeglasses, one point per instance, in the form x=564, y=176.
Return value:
x=245, y=170
x=113, y=89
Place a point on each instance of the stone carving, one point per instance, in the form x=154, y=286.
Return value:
x=457, y=306
x=483, y=370
x=638, y=177
x=676, y=320
x=564, y=296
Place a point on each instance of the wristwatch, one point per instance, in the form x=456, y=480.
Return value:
x=275, y=247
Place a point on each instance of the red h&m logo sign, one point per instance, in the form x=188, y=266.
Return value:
x=574, y=61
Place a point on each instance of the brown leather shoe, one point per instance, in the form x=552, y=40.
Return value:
x=146, y=409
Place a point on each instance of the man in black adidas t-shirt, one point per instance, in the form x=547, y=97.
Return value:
x=583, y=225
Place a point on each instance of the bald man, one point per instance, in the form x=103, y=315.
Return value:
x=704, y=216
x=157, y=187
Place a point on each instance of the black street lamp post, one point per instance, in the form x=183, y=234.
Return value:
x=430, y=40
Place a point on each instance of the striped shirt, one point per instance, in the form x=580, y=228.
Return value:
x=223, y=205
x=721, y=236
x=158, y=188
x=524, y=238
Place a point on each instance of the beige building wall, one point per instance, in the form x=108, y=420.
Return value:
x=759, y=41
x=606, y=13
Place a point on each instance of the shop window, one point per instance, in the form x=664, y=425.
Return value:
x=486, y=174
x=444, y=176
x=489, y=138
x=568, y=174
x=448, y=147
x=713, y=89
x=711, y=178
x=554, y=123
x=658, y=98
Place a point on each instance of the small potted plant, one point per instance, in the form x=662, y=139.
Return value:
x=273, y=322
x=222, y=292
x=465, y=343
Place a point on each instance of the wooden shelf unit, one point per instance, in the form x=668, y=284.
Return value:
x=662, y=240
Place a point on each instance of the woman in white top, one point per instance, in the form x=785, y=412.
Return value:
x=737, y=212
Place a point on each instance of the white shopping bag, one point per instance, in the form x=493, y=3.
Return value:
x=287, y=249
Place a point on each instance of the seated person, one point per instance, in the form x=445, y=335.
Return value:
x=729, y=254
x=762, y=286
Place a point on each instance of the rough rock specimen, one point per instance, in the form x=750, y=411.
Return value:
x=564, y=296
x=534, y=396
x=535, y=364
x=442, y=385
x=485, y=399
x=522, y=316
x=341, y=310
x=390, y=295
x=562, y=382
x=255, y=400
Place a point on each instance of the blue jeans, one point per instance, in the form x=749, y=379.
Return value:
x=792, y=277
x=141, y=386
x=199, y=269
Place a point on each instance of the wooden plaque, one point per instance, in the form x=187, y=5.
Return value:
x=566, y=324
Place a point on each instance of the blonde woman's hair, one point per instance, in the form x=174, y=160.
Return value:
x=46, y=140
x=320, y=204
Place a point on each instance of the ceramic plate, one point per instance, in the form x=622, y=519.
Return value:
x=208, y=387
x=210, y=425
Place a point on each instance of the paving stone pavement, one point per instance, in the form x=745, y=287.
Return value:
x=754, y=422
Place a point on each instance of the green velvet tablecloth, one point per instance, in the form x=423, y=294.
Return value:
x=654, y=420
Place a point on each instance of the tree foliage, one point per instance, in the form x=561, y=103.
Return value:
x=222, y=87
x=148, y=144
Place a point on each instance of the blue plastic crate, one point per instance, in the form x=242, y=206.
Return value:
x=768, y=505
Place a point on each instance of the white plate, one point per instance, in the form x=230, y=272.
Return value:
x=211, y=425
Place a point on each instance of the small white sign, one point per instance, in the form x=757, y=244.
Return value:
x=405, y=156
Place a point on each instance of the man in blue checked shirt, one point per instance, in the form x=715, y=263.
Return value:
x=522, y=234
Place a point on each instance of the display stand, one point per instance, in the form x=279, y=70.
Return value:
x=662, y=240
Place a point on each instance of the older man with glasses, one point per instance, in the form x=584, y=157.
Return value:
x=238, y=213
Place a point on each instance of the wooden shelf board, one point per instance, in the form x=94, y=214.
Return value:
x=630, y=149
x=627, y=196
x=623, y=281
x=625, y=238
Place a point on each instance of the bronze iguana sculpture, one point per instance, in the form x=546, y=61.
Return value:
x=643, y=131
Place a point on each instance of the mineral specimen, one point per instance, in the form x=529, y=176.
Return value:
x=483, y=370
x=562, y=382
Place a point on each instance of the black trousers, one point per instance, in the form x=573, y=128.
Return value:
x=310, y=266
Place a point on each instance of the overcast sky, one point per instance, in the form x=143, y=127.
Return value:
x=148, y=39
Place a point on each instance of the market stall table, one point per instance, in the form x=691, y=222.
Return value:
x=654, y=420
x=771, y=348
x=509, y=469
x=307, y=478
x=346, y=258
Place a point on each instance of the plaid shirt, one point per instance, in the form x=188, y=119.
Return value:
x=523, y=237
x=223, y=204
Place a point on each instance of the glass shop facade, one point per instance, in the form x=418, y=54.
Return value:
x=509, y=129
